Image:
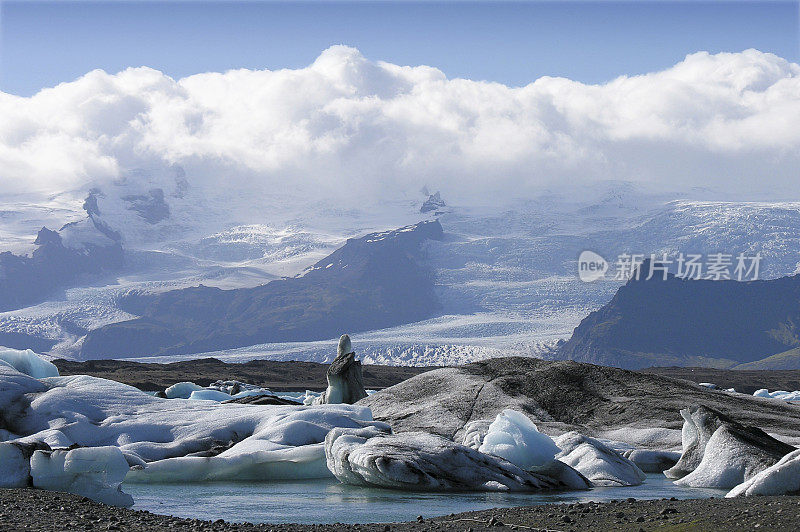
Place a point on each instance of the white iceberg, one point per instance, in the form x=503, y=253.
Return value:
x=781, y=479
x=181, y=390
x=783, y=395
x=27, y=362
x=209, y=395
x=372, y=456
x=601, y=464
x=514, y=437
x=165, y=439
x=94, y=472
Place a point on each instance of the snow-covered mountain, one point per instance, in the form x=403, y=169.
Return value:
x=505, y=275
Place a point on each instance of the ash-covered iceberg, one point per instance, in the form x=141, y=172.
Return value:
x=651, y=461
x=781, y=479
x=373, y=456
x=719, y=452
x=345, y=381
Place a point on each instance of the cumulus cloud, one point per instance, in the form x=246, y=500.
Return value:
x=350, y=127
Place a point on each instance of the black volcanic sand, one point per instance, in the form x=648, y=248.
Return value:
x=32, y=509
x=286, y=376
x=744, y=381
x=300, y=376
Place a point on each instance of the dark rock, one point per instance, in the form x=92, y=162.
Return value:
x=433, y=203
x=151, y=206
x=52, y=266
x=683, y=322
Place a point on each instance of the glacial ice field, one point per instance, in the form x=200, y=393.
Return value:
x=505, y=275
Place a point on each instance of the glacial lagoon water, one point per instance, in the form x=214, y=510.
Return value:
x=328, y=501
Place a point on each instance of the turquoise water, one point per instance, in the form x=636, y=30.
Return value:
x=328, y=501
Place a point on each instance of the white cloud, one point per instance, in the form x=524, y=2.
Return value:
x=365, y=129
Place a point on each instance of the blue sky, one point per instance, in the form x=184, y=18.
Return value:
x=45, y=43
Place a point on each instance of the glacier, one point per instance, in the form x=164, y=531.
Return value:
x=505, y=274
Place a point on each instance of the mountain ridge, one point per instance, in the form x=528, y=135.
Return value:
x=371, y=282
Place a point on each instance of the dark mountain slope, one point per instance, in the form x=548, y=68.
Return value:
x=690, y=322
x=52, y=267
x=370, y=283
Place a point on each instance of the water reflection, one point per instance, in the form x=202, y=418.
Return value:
x=328, y=501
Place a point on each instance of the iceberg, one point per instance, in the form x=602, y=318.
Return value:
x=209, y=395
x=181, y=390
x=783, y=395
x=15, y=468
x=27, y=362
x=373, y=456
x=161, y=439
x=601, y=464
x=718, y=452
x=780, y=479
x=94, y=472
x=514, y=437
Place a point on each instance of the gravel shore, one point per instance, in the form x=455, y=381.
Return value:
x=31, y=509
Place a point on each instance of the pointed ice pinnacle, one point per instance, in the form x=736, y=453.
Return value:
x=345, y=382
x=345, y=346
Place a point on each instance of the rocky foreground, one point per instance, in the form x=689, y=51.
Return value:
x=32, y=509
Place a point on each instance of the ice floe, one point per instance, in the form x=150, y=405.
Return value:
x=181, y=390
x=601, y=464
x=373, y=456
